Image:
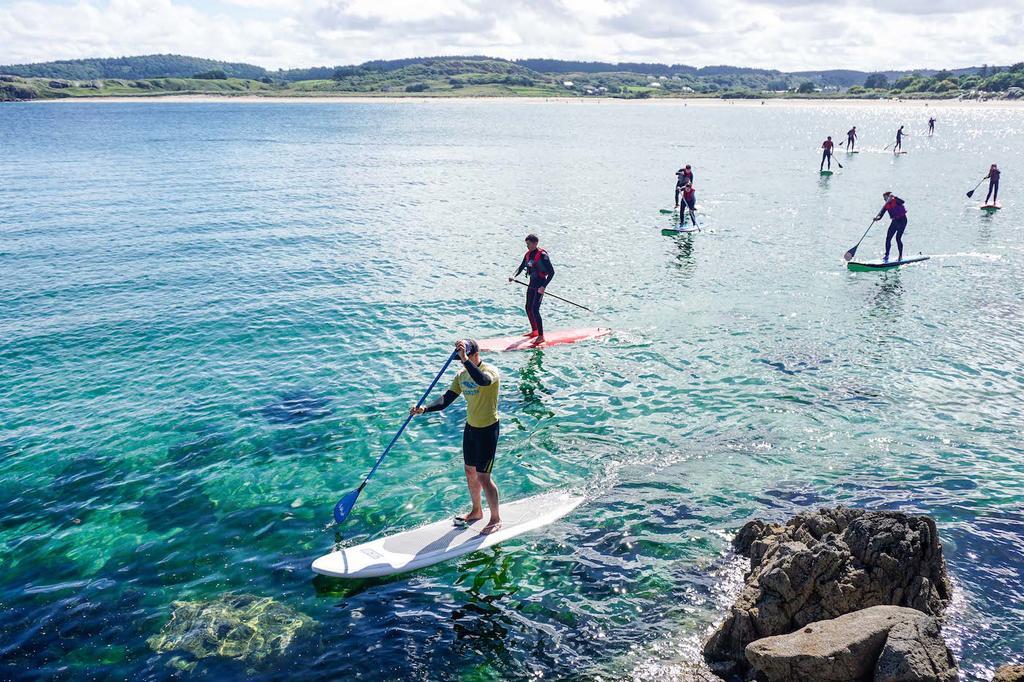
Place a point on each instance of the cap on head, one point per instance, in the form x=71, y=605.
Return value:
x=886, y=194
x=687, y=166
x=471, y=346
x=532, y=238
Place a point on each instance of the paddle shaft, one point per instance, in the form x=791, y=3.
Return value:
x=555, y=296
x=409, y=418
x=342, y=510
x=848, y=256
x=971, y=193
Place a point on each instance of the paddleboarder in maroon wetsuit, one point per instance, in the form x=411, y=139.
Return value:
x=540, y=271
x=993, y=185
x=898, y=215
x=683, y=175
x=826, y=153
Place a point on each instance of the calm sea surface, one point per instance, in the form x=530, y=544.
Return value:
x=213, y=316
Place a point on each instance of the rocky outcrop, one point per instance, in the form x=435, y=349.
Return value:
x=1010, y=673
x=240, y=626
x=884, y=643
x=825, y=564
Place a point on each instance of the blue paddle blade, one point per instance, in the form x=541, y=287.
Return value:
x=345, y=504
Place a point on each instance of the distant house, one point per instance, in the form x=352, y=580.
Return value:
x=686, y=88
x=654, y=84
x=567, y=84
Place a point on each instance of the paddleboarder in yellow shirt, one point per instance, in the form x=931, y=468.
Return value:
x=479, y=383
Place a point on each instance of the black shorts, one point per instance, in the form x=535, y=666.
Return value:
x=479, y=447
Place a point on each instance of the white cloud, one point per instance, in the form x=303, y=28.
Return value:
x=784, y=34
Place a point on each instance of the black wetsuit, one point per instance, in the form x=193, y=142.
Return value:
x=931, y=126
x=899, y=141
x=826, y=154
x=851, y=140
x=540, y=270
x=689, y=202
x=993, y=186
x=683, y=176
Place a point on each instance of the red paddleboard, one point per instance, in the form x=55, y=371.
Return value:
x=556, y=338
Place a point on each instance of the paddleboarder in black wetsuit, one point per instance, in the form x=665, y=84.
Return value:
x=683, y=175
x=540, y=271
x=826, y=153
x=689, y=196
x=851, y=138
x=898, y=215
x=899, y=141
x=931, y=125
x=479, y=383
x=993, y=184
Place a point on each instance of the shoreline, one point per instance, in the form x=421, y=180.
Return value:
x=664, y=101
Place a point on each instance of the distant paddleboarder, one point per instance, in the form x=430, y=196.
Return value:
x=826, y=153
x=898, y=216
x=851, y=138
x=683, y=175
x=478, y=382
x=931, y=125
x=689, y=196
x=899, y=141
x=540, y=271
x=993, y=185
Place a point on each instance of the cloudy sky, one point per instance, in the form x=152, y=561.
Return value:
x=784, y=34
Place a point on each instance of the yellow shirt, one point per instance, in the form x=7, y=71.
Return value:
x=481, y=401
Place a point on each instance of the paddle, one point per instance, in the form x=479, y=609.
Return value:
x=558, y=297
x=848, y=256
x=345, y=504
x=971, y=193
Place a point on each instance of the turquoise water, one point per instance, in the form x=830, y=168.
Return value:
x=213, y=316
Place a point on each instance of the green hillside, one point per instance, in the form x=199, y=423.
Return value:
x=461, y=76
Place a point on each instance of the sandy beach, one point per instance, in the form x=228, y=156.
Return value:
x=582, y=101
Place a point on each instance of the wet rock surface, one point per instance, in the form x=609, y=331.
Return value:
x=883, y=643
x=825, y=564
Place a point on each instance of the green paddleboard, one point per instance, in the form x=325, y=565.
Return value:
x=826, y=173
x=666, y=211
x=990, y=208
x=669, y=232
x=872, y=265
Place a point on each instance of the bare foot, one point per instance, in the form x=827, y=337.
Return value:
x=492, y=526
x=468, y=519
x=538, y=340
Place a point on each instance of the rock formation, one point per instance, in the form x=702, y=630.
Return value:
x=825, y=564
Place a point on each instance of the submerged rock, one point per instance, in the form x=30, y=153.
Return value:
x=243, y=627
x=297, y=407
x=884, y=643
x=1009, y=673
x=825, y=564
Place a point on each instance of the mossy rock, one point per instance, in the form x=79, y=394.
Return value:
x=243, y=627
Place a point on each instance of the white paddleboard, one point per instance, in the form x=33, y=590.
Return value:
x=441, y=541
